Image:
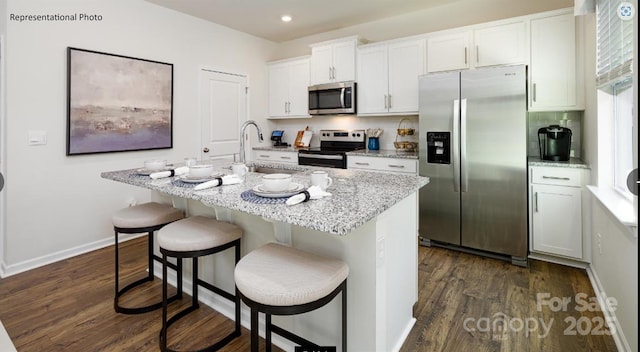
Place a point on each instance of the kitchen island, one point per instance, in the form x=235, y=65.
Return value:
x=370, y=221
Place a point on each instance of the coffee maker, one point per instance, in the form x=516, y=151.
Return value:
x=554, y=143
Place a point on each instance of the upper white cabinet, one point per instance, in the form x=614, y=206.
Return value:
x=504, y=44
x=448, y=52
x=334, y=61
x=500, y=45
x=554, y=66
x=388, y=77
x=288, y=83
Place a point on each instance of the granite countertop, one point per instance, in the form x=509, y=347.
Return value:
x=357, y=196
x=385, y=153
x=574, y=163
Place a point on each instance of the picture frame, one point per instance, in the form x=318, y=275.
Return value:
x=117, y=103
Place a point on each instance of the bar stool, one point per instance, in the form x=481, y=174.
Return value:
x=194, y=237
x=146, y=217
x=279, y=280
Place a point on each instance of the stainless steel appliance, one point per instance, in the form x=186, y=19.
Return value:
x=475, y=153
x=554, y=143
x=334, y=145
x=332, y=98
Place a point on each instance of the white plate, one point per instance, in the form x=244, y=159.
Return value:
x=145, y=172
x=293, y=189
x=193, y=179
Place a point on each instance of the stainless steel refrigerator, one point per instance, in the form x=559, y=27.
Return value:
x=473, y=147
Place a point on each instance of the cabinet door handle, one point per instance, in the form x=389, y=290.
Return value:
x=362, y=164
x=265, y=156
x=535, y=201
x=556, y=178
x=285, y=157
x=465, y=55
x=396, y=166
x=333, y=73
x=534, y=92
x=389, y=101
x=477, y=54
x=386, y=105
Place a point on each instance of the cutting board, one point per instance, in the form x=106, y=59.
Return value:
x=303, y=139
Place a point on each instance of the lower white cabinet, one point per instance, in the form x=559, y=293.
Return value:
x=374, y=163
x=279, y=156
x=556, y=212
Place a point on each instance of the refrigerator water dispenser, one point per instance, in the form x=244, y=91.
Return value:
x=439, y=147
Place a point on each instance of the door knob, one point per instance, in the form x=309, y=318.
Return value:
x=205, y=150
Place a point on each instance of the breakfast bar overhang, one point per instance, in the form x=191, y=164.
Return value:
x=370, y=222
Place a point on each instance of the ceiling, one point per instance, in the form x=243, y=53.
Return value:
x=262, y=17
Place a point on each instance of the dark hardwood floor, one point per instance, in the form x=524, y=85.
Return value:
x=68, y=306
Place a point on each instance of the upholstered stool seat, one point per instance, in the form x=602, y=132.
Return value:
x=279, y=280
x=146, y=217
x=194, y=237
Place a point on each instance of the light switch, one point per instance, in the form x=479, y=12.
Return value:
x=37, y=138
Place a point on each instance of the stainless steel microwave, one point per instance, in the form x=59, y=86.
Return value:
x=332, y=98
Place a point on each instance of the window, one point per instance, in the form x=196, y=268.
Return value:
x=614, y=79
x=623, y=135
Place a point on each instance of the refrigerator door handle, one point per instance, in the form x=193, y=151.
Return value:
x=463, y=145
x=456, y=145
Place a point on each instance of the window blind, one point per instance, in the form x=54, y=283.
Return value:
x=614, y=44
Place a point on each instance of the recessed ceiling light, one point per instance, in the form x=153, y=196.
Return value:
x=285, y=18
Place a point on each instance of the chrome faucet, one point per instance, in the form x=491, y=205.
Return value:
x=242, y=129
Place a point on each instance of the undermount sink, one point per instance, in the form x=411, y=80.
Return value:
x=273, y=170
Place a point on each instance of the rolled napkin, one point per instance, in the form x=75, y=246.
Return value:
x=175, y=172
x=313, y=192
x=224, y=180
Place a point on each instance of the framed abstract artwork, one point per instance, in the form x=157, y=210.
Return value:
x=117, y=103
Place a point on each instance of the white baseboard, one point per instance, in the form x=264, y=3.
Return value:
x=404, y=335
x=609, y=315
x=8, y=270
x=5, y=342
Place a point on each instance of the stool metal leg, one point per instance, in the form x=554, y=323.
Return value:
x=150, y=276
x=267, y=331
x=254, y=330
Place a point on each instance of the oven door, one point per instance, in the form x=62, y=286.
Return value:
x=338, y=161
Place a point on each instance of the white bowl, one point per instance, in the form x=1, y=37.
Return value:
x=155, y=165
x=276, y=182
x=201, y=170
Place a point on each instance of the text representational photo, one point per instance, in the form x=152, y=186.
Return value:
x=117, y=103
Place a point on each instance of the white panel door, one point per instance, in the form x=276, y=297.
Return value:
x=344, y=61
x=223, y=109
x=448, y=52
x=298, y=88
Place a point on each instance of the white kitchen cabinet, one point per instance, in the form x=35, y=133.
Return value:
x=288, y=83
x=388, y=77
x=334, y=61
x=278, y=156
x=384, y=164
x=554, y=68
x=556, y=212
x=448, y=52
x=500, y=45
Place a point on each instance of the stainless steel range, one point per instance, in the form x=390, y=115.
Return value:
x=334, y=145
